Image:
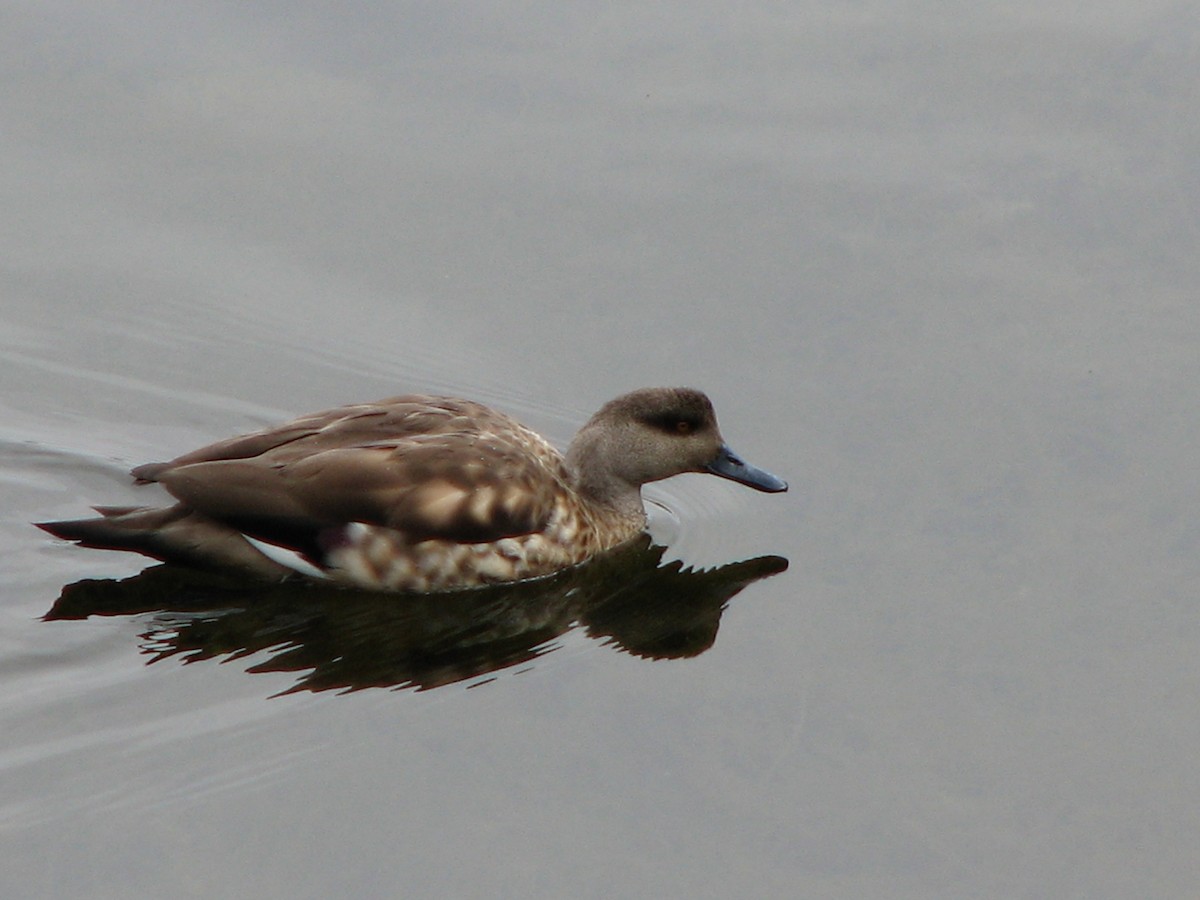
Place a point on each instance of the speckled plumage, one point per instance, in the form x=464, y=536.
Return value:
x=418, y=493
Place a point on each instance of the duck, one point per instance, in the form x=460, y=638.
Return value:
x=418, y=493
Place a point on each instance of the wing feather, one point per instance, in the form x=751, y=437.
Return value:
x=346, y=426
x=425, y=470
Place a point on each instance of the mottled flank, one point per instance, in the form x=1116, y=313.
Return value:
x=419, y=493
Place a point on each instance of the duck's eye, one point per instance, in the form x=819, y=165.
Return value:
x=674, y=423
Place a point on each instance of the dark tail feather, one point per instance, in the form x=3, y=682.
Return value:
x=174, y=534
x=118, y=528
x=148, y=472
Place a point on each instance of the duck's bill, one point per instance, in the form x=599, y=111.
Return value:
x=729, y=465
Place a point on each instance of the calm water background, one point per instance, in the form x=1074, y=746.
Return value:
x=936, y=264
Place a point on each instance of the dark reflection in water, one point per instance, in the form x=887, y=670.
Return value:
x=346, y=639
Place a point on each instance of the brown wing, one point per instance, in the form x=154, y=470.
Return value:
x=345, y=426
x=471, y=484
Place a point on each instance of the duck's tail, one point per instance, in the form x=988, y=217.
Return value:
x=173, y=534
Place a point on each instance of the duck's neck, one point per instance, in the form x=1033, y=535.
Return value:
x=602, y=488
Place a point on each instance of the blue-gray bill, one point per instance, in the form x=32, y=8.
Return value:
x=729, y=465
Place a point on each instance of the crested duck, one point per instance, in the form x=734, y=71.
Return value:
x=419, y=493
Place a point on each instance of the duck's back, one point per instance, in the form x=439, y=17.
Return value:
x=429, y=467
x=397, y=418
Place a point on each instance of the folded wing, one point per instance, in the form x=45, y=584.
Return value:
x=428, y=471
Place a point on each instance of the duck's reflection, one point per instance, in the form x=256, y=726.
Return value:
x=343, y=639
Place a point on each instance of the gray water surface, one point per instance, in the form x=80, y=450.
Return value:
x=936, y=265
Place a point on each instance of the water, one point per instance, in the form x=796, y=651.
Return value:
x=935, y=266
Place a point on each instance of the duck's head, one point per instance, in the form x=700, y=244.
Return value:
x=650, y=434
